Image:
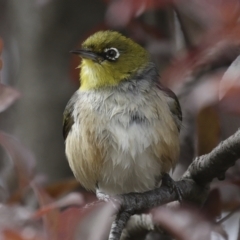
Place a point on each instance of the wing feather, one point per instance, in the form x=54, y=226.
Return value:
x=174, y=105
x=68, y=119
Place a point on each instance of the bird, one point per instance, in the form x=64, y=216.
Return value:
x=121, y=127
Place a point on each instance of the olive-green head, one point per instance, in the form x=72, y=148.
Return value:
x=109, y=58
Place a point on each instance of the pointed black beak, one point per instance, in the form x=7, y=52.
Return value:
x=87, y=54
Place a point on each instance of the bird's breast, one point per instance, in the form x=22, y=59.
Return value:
x=131, y=137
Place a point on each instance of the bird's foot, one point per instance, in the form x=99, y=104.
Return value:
x=102, y=196
x=108, y=199
x=169, y=182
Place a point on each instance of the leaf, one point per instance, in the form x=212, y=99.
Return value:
x=62, y=187
x=213, y=205
x=75, y=218
x=231, y=78
x=208, y=13
x=184, y=224
x=8, y=96
x=50, y=216
x=66, y=201
x=205, y=93
x=120, y=12
x=56, y=190
x=10, y=234
x=208, y=130
x=98, y=216
x=60, y=224
x=102, y=221
x=229, y=89
x=229, y=195
x=16, y=224
x=68, y=223
x=211, y=14
x=217, y=49
x=23, y=160
x=230, y=102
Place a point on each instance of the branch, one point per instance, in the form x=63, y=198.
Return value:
x=214, y=165
x=193, y=184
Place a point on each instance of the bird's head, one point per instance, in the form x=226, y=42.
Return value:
x=109, y=58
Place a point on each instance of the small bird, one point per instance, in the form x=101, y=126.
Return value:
x=121, y=127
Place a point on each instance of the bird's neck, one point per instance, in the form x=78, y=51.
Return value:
x=141, y=82
x=93, y=76
x=91, y=79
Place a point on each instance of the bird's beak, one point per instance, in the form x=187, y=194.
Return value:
x=87, y=54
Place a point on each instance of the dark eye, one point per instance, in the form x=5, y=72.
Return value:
x=111, y=53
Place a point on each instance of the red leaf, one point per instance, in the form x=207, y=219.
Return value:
x=23, y=160
x=8, y=96
x=66, y=201
x=68, y=222
x=77, y=218
x=208, y=130
x=50, y=216
x=213, y=204
x=229, y=194
x=12, y=235
x=62, y=187
x=205, y=94
x=120, y=12
x=60, y=225
x=183, y=224
x=230, y=102
x=218, y=47
x=229, y=89
x=63, y=224
x=211, y=14
x=102, y=222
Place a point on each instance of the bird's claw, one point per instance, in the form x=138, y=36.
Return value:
x=102, y=196
x=169, y=182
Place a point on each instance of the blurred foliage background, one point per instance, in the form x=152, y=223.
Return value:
x=38, y=36
x=195, y=44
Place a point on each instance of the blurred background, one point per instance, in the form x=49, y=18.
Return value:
x=195, y=45
x=38, y=36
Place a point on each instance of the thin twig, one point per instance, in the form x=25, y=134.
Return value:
x=229, y=215
x=193, y=184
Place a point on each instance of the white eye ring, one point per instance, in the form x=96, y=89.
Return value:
x=115, y=50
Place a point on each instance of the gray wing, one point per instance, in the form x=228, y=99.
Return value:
x=174, y=105
x=68, y=119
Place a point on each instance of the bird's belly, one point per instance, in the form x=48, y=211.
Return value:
x=131, y=165
x=121, y=144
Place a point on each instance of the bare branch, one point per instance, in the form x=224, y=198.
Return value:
x=194, y=183
x=216, y=163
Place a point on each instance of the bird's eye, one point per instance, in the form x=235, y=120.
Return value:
x=111, y=54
